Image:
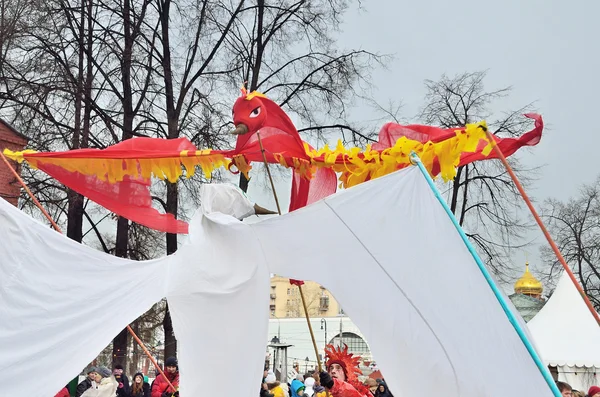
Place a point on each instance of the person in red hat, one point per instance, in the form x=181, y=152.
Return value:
x=594, y=391
x=342, y=376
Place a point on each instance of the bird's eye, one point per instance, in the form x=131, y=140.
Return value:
x=255, y=112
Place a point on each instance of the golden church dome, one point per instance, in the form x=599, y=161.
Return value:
x=528, y=284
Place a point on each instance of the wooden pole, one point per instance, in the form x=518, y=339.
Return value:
x=312, y=335
x=262, y=150
x=538, y=220
x=55, y=226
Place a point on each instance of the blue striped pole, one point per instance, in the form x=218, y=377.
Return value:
x=511, y=316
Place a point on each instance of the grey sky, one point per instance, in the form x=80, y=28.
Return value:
x=546, y=50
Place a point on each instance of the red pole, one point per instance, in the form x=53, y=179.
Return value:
x=542, y=226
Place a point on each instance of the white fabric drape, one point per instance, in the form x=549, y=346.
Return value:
x=436, y=329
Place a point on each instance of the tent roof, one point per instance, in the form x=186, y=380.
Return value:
x=564, y=331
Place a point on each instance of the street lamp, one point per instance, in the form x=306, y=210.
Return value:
x=324, y=322
x=306, y=367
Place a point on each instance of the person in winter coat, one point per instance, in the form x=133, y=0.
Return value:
x=160, y=387
x=382, y=391
x=594, y=391
x=122, y=380
x=297, y=388
x=139, y=388
x=309, y=384
x=106, y=384
x=64, y=392
x=88, y=382
x=273, y=385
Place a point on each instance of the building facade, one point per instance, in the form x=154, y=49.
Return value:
x=285, y=301
x=10, y=139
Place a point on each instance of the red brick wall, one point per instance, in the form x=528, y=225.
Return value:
x=9, y=186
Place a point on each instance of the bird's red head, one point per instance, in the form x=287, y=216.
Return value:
x=249, y=113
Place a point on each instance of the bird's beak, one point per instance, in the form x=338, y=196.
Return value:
x=240, y=129
x=258, y=210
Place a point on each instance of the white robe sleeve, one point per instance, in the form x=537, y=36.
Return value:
x=218, y=296
x=437, y=328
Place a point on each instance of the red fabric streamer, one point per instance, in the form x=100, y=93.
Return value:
x=296, y=282
x=131, y=197
x=391, y=132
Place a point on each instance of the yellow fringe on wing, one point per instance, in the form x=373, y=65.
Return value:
x=115, y=170
x=372, y=164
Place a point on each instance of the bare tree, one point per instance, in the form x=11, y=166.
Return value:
x=575, y=226
x=482, y=196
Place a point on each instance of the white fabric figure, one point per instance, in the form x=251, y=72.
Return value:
x=437, y=328
x=225, y=198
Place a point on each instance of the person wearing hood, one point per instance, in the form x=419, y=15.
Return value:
x=89, y=381
x=160, y=387
x=122, y=380
x=383, y=391
x=309, y=384
x=139, y=388
x=273, y=385
x=106, y=384
x=297, y=388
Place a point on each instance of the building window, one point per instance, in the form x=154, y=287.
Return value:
x=272, y=312
x=324, y=303
x=289, y=292
x=356, y=344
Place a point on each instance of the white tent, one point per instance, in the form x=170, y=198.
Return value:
x=567, y=336
x=437, y=329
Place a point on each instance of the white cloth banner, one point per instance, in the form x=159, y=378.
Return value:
x=437, y=328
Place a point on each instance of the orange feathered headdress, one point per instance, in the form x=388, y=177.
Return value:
x=348, y=361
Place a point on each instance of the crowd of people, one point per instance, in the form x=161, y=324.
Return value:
x=567, y=391
x=102, y=382
x=339, y=379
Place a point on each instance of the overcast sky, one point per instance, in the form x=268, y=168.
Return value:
x=546, y=50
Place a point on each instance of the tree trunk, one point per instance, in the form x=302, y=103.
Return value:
x=172, y=133
x=122, y=243
x=455, y=190
x=120, y=349
x=256, y=66
x=172, y=206
x=75, y=200
x=75, y=216
x=170, y=341
x=138, y=353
